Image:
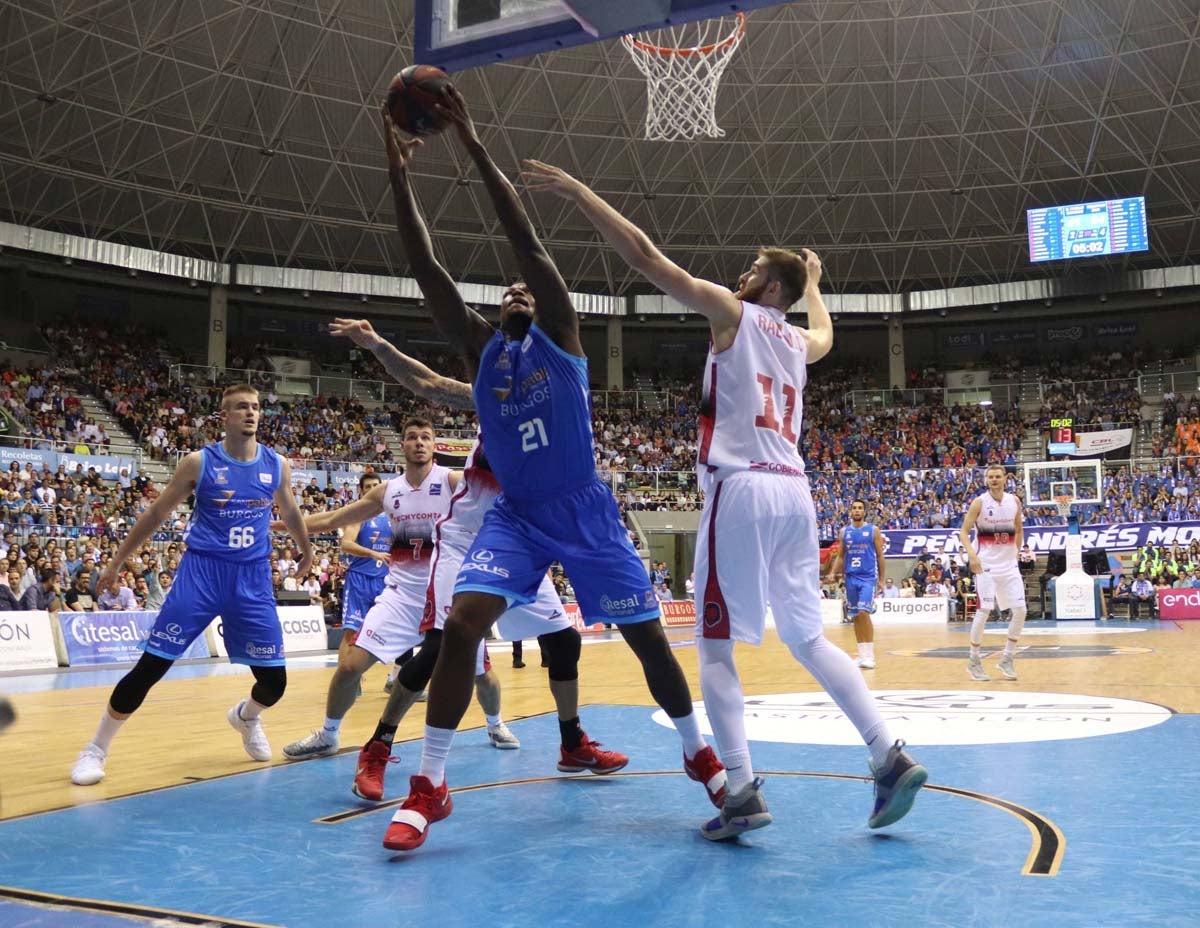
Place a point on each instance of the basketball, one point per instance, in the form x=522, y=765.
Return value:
x=411, y=96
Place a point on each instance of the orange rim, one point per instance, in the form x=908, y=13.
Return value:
x=667, y=51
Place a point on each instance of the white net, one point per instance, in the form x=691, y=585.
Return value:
x=683, y=67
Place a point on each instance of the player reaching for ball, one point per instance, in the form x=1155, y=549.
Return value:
x=758, y=532
x=531, y=393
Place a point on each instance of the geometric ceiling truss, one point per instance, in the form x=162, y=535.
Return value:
x=904, y=139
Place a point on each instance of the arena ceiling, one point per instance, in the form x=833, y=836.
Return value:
x=902, y=138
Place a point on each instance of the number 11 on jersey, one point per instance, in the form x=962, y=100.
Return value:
x=767, y=419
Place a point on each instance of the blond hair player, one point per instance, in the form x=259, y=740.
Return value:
x=758, y=531
x=996, y=517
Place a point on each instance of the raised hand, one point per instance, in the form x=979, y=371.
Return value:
x=399, y=150
x=539, y=176
x=813, y=263
x=453, y=109
x=359, y=331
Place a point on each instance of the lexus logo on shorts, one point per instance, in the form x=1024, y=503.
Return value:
x=174, y=629
x=713, y=614
x=483, y=556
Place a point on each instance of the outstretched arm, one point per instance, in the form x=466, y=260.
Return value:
x=464, y=328
x=555, y=314
x=716, y=303
x=408, y=372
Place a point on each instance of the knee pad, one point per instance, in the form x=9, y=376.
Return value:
x=562, y=649
x=130, y=691
x=418, y=670
x=270, y=682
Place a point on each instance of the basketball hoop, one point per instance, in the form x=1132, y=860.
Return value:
x=682, y=78
x=1063, y=504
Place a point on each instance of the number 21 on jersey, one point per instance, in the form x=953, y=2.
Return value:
x=767, y=418
x=533, y=435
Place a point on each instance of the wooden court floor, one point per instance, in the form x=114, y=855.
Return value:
x=181, y=736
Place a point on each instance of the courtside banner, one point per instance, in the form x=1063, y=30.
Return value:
x=453, y=447
x=911, y=610
x=678, y=612
x=303, y=630
x=1178, y=604
x=112, y=637
x=1119, y=536
x=26, y=641
x=573, y=613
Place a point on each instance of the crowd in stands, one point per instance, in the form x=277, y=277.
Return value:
x=127, y=367
x=916, y=465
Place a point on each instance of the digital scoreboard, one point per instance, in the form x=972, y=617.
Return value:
x=1084, y=230
x=1062, y=436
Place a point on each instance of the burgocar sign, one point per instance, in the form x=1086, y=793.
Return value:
x=943, y=717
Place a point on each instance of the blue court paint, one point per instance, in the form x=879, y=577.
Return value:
x=625, y=849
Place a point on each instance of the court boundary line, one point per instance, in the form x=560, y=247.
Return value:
x=1046, y=852
x=80, y=903
x=193, y=781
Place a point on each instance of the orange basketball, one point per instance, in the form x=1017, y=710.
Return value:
x=411, y=96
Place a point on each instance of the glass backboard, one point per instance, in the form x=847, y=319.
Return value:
x=460, y=34
x=1046, y=479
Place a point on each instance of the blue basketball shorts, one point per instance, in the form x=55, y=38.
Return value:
x=238, y=591
x=860, y=594
x=583, y=531
x=358, y=595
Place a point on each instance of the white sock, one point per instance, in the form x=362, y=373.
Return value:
x=726, y=707
x=331, y=728
x=434, y=753
x=689, y=732
x=250, y=710
x=835, y=672
x=867, y=649
x=493, y=720
x=107, y=731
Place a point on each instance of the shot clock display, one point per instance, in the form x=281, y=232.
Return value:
x=1084, y=230
x=1062, y=436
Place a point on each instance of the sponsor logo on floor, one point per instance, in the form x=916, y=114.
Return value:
x=1005, y=716
x=1036, y=652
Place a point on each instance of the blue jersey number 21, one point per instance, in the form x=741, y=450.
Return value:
x=533, y=435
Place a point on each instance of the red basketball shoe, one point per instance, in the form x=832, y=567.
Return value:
x=707, y=769
x=372, y=765
x=424, y=806
x=589, y=757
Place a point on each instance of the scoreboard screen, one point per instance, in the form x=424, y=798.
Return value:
x=1084, y=230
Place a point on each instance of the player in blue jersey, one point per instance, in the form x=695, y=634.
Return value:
x=860, y=559
x=367, y=546
x=225, y=571
x=531, y=394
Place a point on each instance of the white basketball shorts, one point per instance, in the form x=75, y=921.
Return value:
x=1005, y=589
x=757, y=544
x=540, y=617
x=393, y=624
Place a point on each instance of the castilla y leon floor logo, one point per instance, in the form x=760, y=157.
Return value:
x=944, y=717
